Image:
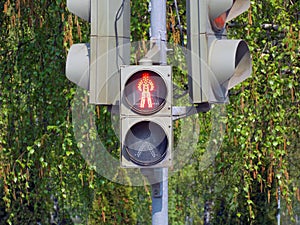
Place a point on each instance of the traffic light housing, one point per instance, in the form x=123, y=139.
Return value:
x=215, y=63
x=95, y=66
x=146, y=116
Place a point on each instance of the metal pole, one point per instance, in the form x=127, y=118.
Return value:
x=160, y=200
x=158, y=37
x=158, y=32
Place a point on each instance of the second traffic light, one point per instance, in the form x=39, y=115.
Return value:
x=95, y=66
x=146, y=116
x=216, y=64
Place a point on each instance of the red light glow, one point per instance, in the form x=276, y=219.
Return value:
x=146, y=86
x=220, y=21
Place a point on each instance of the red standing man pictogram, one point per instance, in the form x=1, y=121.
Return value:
x=146, y=86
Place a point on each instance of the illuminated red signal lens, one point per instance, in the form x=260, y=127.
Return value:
x=219, y=22
x=145, y=92
x=146, y=87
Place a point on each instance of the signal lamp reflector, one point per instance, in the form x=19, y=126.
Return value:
x=145, y=92
x=145, y=144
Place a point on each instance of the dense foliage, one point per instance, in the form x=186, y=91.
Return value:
x=45, y=180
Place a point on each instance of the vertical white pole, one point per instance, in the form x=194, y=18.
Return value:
x=160, y=200
x=158, y=27
x=158, y=37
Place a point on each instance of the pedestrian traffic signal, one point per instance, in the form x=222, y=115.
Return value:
x=215, y=63
x=145, y=92
x=95, y=66
x=146, y=116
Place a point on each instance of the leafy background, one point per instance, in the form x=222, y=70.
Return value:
x=45, y=180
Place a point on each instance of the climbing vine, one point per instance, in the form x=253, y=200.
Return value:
x=43, y=177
